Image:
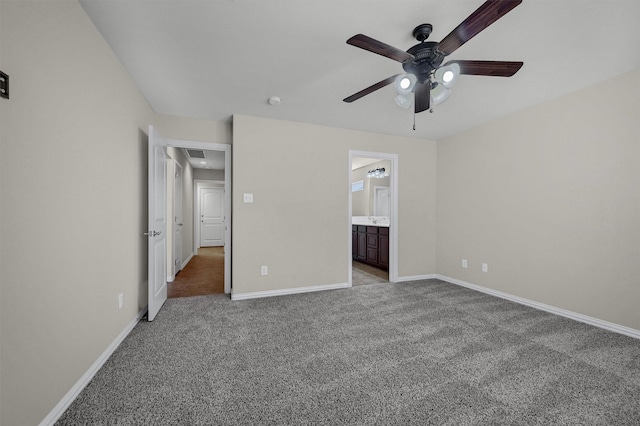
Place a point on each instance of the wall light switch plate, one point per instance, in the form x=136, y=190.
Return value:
x=485, y=267
x=264, y=270
x=464, y=263
x=248, y=197
x=120, y=300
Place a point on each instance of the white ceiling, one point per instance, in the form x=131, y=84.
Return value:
x=358, y=162
x=212, y=159
x=212, y=59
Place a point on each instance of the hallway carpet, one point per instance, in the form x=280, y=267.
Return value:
x=203, y=275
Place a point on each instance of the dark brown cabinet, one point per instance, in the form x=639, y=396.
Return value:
x=383, y=242
x=361, y=243
x=354, y=241
x=370, y=244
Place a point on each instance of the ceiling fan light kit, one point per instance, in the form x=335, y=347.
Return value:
x=439, y=94
x=403, y=101
x=447, y=75
x=425, y=76
x=405, y=84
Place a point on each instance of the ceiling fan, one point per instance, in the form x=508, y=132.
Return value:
x=425, y=76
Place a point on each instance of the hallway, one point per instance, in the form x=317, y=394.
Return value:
x=204, y=274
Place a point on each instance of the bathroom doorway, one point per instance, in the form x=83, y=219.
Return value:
x=373, y=219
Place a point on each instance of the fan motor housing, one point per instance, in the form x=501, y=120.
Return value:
x=426, y=60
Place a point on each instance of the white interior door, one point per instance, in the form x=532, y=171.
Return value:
x=157, y=194
x=212, y=227
x=177, y=219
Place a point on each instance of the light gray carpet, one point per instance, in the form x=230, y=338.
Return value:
x=424, y=352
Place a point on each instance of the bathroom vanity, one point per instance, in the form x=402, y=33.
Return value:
x=370, y=244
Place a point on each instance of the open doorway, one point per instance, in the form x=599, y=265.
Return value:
x=196, y=268
x=204, y=272
x=372, y=218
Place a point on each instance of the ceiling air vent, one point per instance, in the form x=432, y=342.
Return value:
x=195, y=153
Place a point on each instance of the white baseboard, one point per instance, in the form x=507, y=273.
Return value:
x=285, y=291
x=171, y=278
x=186, y=261
x=627, y=331
x=416, y=278
x=73, y=393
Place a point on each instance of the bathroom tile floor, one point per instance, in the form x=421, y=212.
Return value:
x=363, y=274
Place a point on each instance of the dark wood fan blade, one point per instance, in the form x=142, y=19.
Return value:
x=485, y=15
x=489, y=68
x=371, y=88
x=422, y=96
x=372, y=45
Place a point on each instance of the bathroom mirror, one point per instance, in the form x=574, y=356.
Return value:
x=373, y=199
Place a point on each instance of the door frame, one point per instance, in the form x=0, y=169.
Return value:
x=393, y=214
x=177, y=268
x=213, y=146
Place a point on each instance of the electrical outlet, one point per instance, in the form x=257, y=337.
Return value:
x=485, y=267
x=120, y=300
x=264, y=270
x=464, y=263
x=248, y=197
x=4, y=85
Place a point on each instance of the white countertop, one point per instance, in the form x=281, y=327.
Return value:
x=381, y=221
